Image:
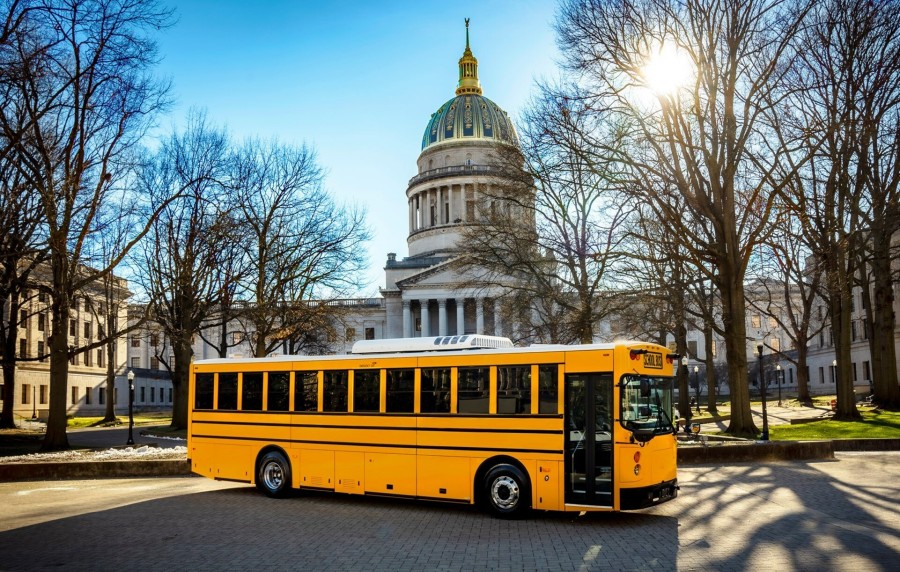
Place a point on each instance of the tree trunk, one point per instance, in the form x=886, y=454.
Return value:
x=884, y=369
x=7, y=417
x=110, y=415
x=741, y=423
x=180, y=381
x=709, y=362
x=56, y=439
x=839, y=296
x=802, y=377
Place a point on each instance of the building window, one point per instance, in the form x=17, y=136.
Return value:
x=854, y=372
x=23, y=348
x=26, y=393
x=135, y=362
x=154, y=362
x=170, y=395
x=692, y=348
x=154, y=340
x=143, y=394
x=42, y=296
x=350, y=334
x=755, y=321
x=775, y=344
x=87, y=330
x=135, y=342
x=866, y=371
x=101, y=397
x=713, y=348
x=152, y=395
x=73, y=328
x=100, y=357
x=101, y=333
x=87, y=395
x=822, y=375
x=87, y=359
x=23, y=318
x=237, y=337
x=853, y=330
x=773, y=323
x=370, y=333
x=74, y=395
x=44, y=394
x=42, y=319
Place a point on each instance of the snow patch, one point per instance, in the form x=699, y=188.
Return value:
x=126, y=454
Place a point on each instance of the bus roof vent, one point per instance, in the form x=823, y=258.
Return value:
x=440, y=343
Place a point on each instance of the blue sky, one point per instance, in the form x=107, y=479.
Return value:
x=356, y=80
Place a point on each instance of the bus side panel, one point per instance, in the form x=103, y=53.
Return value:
x=389, y=473
x=222, y=461
x=317, y=468
x=547, y=485
x=444, y=477
x=349, y=470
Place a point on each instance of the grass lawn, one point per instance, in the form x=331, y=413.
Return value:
x=874, y=425
x=160, y=418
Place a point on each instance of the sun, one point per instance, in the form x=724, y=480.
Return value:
x=667, y=70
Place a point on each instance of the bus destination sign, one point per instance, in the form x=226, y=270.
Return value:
x=653, y=360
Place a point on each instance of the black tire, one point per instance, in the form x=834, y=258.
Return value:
x=507, y=492
x=273, y=475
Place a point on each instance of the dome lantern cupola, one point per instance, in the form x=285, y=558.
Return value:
x=468, y=71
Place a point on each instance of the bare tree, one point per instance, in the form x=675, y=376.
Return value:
x=188, y=241
x=550, y=235
x=87, y=99
x=706, y=140
x=300, y=244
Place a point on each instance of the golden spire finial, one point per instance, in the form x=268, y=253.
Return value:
x=468, y=70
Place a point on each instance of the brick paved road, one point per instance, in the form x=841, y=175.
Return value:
x=823, y=515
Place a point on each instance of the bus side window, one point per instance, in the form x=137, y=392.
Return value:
x=306, y=391
x=473, y=390
x=514, y=390
x=228, y=391
x=548, y=389
x=435, y=395
x=203, y=391
x=400, y=391
x=335, y=391
x=279, y=391
x=366, y=390
x=251, y=391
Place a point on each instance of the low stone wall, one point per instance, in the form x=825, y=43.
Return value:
x=867, y=445
x=755, y=451
x=93, y=470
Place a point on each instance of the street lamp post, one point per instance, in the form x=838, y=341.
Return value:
x=130, y=408
x=762, y=385
x=778, y=381
x=697, y=387
x=33, y=402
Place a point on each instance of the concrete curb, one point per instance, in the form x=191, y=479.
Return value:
x=756, y=451
x=93, y=470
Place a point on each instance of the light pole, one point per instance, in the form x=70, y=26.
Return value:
x=762, y=385
x=33, y=402
x=130, y=408
x=697, y=387
x=778, y=381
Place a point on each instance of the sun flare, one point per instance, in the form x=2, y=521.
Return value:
x=667, y=70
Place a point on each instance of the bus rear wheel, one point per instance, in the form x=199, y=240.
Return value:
x=506, y=491
x=273, y=475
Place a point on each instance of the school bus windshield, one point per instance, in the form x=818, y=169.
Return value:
x=647, y=406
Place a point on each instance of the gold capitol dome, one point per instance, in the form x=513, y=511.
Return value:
x=469, y=116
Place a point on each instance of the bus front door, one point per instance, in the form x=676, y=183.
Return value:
x=589, y=439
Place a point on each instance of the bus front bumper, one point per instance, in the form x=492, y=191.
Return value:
x=632, y=499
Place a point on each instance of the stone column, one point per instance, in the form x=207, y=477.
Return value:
x=498, y=323
x=426, y=326
x=460, y=316
x=407, y=319
x=479, y=315
x=442, y=317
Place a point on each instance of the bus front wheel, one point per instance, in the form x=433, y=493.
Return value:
x=506, y=491
x=273, y=475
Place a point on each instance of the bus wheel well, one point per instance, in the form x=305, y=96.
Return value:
x=489, y=464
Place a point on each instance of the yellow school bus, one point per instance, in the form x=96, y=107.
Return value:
x=467, y=419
